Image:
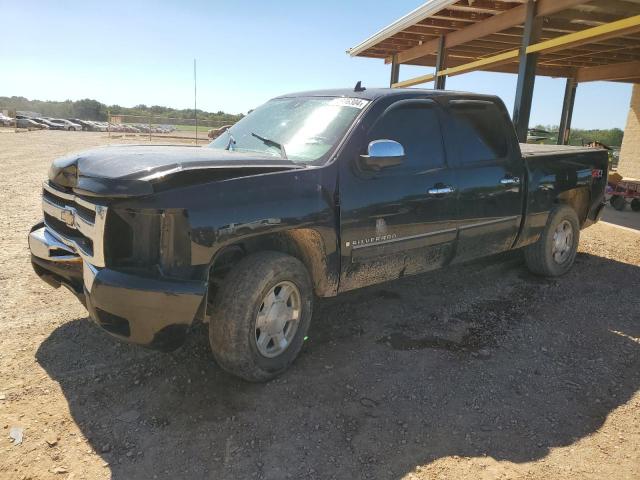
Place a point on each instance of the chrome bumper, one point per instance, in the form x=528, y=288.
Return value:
x=48, y=246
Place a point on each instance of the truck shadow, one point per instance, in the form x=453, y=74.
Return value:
x=470, y=362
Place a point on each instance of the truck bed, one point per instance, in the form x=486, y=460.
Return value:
x=535, y=150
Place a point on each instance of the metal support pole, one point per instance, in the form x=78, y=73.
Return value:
x=526, y=72
x=567, y=111
x=395, y=71
x=441, y=65
x=195, y=97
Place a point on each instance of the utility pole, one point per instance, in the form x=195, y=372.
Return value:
x=195, y=97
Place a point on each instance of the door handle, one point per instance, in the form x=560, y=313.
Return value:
x=441, y=190
x=510, y=181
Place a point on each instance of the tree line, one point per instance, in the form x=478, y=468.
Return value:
x=611, y=137
x=88, y=109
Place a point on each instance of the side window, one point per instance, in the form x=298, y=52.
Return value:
x=417, y=128
x=479, y=132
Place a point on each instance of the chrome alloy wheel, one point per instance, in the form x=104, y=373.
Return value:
x=562, y=242
x=278, y=319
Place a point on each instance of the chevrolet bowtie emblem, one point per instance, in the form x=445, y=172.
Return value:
x=68, y=217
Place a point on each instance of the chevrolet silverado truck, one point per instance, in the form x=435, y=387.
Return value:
x=311, y=195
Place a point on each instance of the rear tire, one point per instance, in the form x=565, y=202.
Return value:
x=618, y=202
x=555, y=251
x=635, y=204
x=261, y=315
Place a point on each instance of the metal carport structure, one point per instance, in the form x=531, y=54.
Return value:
x=580, y=40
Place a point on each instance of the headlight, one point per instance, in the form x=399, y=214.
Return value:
x=148, y=240
x=132, y=238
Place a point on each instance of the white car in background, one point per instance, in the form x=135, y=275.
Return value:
x=6, y=121
x=65, y=124
x=99, y=126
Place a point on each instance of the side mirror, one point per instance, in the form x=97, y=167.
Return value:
x=382, y=154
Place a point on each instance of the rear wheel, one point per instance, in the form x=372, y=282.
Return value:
x=261, y=315
x=635, y=204
x=618, y=202
x=555, y=251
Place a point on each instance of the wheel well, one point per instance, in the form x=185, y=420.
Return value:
x=578, y=199
x=305, y=244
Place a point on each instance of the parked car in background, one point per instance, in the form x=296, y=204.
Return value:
x=115, y=127
x=130, y=128
x=46, y=122
x=6, y=121
x=30, y=124
x=216, y=132
x=99, y=126
x=65, y=124
x=86, y=125
x=142, y=127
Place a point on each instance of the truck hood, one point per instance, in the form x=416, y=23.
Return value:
x=134, y=170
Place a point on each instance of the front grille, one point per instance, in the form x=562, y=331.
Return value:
x=86, y=213
x=63, y=229
x=76, y=222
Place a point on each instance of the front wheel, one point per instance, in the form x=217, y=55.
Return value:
x=635, y=204
x=555, y=251
x=618, y=202
x=261, y=315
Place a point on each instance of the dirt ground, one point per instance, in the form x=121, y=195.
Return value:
x=481, y=371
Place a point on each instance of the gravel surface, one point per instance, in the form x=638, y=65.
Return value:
x=479, y=371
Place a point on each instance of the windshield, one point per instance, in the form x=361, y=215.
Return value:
x=306, y=128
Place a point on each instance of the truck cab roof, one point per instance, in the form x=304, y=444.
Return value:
x=375, y=93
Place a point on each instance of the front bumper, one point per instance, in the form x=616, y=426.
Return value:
x=154, y=312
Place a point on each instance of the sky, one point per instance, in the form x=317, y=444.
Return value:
x=247, y=51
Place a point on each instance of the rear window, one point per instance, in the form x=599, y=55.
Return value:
x=479, y=127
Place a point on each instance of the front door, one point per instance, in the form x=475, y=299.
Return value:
x=399, y=220
x=490, y=174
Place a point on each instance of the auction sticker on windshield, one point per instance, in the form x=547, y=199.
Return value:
x=358, y=103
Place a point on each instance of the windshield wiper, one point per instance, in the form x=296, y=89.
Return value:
x=271, y=143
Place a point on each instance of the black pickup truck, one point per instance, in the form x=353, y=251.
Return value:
x=311, y=195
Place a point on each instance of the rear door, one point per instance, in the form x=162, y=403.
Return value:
x=400, y=220
x=481, y=144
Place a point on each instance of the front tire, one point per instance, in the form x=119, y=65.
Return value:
x=261, y=315
x=555, y=251
x=618, y=202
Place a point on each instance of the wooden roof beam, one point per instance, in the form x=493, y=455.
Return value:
x=482, y=6
x=458, y=16
x=502, y=21
x=612, y=7
x=620, y=27
x=615, y=71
